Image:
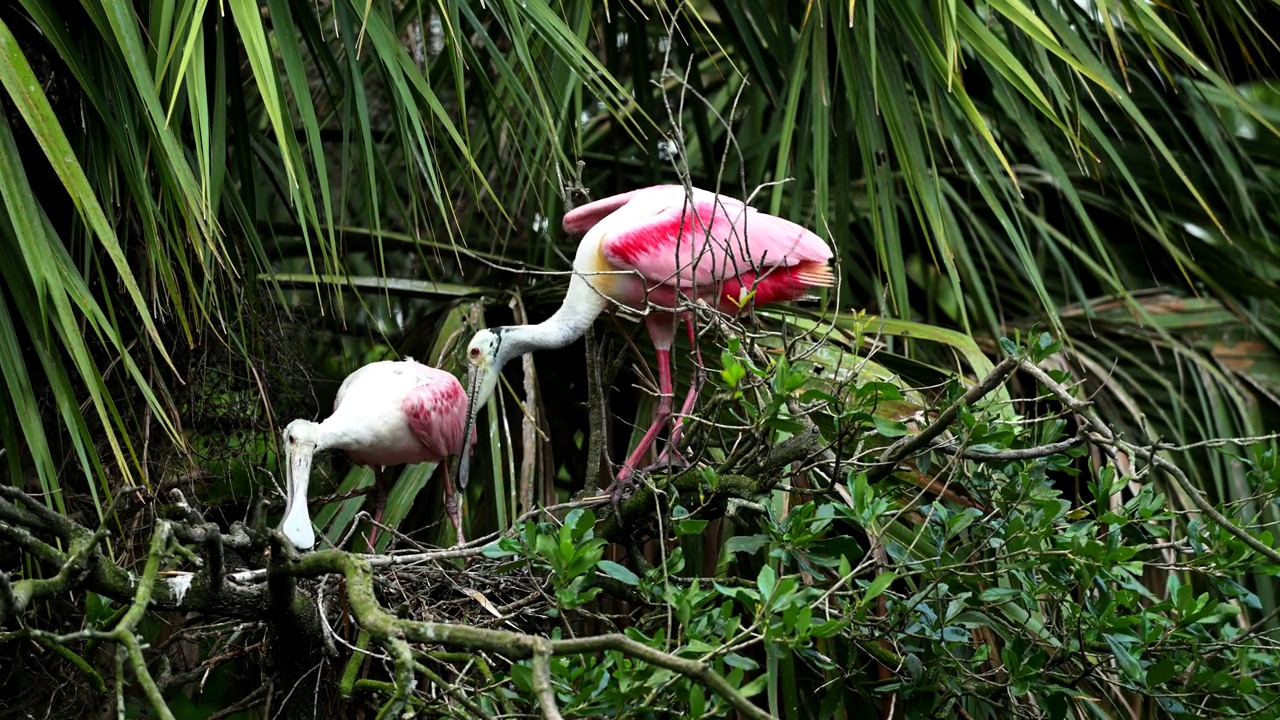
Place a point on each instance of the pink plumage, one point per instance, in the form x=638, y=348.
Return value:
x=386, y=413
x=671, y=242
x=702, y=245
x=409, y=413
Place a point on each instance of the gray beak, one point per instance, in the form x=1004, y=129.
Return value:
x=474, y=381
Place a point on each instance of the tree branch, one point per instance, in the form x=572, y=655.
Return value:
x=894, y=454
x=1030, y=453
x=542, y=686
x=44, y=518
x=453, y=691
x=386, y=628
x=1104, y=435
x=597, y=435
x=15, y=598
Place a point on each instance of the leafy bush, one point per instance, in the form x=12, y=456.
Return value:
x=212, y=212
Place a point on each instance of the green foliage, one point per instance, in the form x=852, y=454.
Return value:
x=1024, y=593
x=212, y=213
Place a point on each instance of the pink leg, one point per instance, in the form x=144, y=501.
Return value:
x=379, y=504
x=662, y=331
x=452, y=502
x=695, y=386
x=659, y=420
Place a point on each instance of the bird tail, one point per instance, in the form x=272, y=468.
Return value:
x=814, y=274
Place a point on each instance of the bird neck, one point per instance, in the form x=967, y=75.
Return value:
x=336, y=433
x=582, y=304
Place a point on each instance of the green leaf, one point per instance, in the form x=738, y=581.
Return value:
x=878, y=586
x=890, y=428
x=618, y=572
x=691, y=527
x=697, y=702
x=999, y=595
x=749, y=544
x=1161, y=672
x=522, y=676
x=767, y=581
x=1126, y=657
x=494, y=550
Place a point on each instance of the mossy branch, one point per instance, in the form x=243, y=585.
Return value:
x=124, y=633
x=387, y=630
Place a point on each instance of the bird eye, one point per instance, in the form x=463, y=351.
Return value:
x=291, y=438
x=475, y=352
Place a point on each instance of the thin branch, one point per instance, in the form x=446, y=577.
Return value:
x=454, y=691
x=1103, y=435
x=894, y=454
x=130, y=642
x=402, y=655
x=124, y=631
x=48, y=519
x=247, y=702
x=597, y=435
x=1030, y=453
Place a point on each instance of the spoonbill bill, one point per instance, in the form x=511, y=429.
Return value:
x=386, y=413
x=646, y=250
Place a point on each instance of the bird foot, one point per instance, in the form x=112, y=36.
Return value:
x=670, y=459
x=619, y=491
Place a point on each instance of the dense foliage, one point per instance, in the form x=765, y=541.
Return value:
x=212, y=212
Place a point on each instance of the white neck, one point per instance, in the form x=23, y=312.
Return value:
x=582, y=304
x=337, y=432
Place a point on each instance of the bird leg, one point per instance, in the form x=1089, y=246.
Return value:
x=662, y=332
x=670, y=455
x=624, y=481
x=665, y=395
x=452, y=502
x=379, y=504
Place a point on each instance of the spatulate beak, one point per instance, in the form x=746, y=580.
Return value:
x=297, y=519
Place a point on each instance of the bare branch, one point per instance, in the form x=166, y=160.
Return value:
x=542, y=686
x=1030, y=453
x=1103, y=435
x=894, y=454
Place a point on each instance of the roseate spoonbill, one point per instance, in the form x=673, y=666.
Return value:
x=645, y=250
x=386, y=413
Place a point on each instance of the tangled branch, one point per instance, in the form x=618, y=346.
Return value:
x=281, y=597
x=277, y=600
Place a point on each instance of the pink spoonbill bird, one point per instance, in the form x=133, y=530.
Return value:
x=646, y=250
x=386, y=413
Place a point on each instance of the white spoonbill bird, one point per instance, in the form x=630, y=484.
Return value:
x=386, y=413
x=646, y=250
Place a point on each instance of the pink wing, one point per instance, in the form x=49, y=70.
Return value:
x=713, y=244
x=437, y=411
x=581, y=219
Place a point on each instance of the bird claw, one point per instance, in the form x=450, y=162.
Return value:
x=669, y=460
x=619, y=491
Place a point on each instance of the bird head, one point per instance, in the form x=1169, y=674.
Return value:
x=301, y=439
x=485, y=358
